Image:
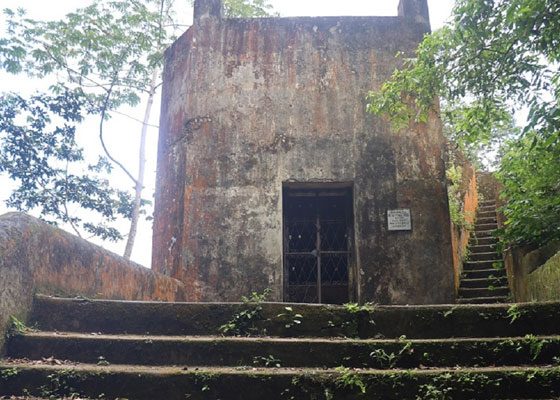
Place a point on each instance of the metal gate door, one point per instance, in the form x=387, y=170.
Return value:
x=317, y=245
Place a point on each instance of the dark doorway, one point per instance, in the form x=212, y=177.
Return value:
x=317, y=244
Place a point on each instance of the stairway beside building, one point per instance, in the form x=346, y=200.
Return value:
x=484, y=278
x=136, y=350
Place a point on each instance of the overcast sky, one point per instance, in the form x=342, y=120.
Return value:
x=124, y=144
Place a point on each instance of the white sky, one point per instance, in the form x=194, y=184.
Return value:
x=124, y=144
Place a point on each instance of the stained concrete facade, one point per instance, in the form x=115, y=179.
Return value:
x=254, y=106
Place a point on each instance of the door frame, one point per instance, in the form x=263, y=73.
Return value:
x=345, y=189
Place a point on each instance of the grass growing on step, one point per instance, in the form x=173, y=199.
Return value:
x=449, y=312
x=356, y=311
x=390, y=360
x=514, y=313
x=290, y=318
x=244, y=322
x=350, y=379
x=8, y=373
x=535, y=345
x=17, y=327
x=61, y=385
x=268, y=361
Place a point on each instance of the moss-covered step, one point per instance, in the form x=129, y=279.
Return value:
x=286, y=352
x=170, y=383
x=275, y=319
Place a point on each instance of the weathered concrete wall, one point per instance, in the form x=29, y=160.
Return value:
x=36, y=257
x=543, y=284
x=529, y=279
x=468, y=192
x=251, y=104
x=489, y=187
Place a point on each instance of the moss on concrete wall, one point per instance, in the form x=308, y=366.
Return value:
x=543, y=284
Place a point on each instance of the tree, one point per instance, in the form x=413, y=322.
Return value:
x=39, y=150
x=112, y=51
x=494, y=58
x=531, y=184
x=248, y=8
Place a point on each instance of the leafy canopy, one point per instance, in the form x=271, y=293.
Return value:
x=531, y=184
x=104, y=56
x=494, y=58
x=247, y=8
x=38, y=150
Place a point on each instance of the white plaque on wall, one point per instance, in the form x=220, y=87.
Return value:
x=399, y=220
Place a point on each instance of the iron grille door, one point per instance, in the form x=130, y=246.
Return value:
x=317, y=245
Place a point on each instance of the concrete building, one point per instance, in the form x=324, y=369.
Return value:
x=271, y=174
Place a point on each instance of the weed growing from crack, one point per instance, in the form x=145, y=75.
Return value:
x=535, y=345
x=390, y=360
x=243, y=323
x=290, y=317
x=8, y=373
x=350, y=379
x=17, y=328
x=268, y=361
x=59, y=385
x=514, y=313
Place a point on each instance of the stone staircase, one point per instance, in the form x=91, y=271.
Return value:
x=484, y=278
x=133, y=350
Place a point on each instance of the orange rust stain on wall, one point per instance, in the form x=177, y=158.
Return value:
x=460, y=236
x=62, y=264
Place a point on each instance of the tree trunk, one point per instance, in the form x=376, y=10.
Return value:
x=141, y=169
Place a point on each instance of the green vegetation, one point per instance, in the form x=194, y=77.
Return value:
x=350, y=379
x=514, y=313
x=530, y=173
x=454, y=175
x=102, y=59
x=268, y=361
x=390, y=360
x=355, y=308
x=244, y=322
x=8, y=373
x=17, y=327
x=248, y=8
x=61, y=385
x=493, y=59
x=535, y=345
x=290, y=317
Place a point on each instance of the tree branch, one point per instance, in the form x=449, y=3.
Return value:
x=103, y=114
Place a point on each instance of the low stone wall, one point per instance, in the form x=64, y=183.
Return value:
x=38, y=258
x=535, y=275
x=543, y=284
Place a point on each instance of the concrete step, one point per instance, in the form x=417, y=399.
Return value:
x=483, y=241
x=480, y=227
x=170, y=383
x=486, y=219
x=482, y=248
x=285, y=352
x=486, y=214
x=490, y=291
x=496, y=264
x=430, y=321
x=484, y=256
x=484, y=274
x=480, y=234
x=484, y=282
x=483, y=300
